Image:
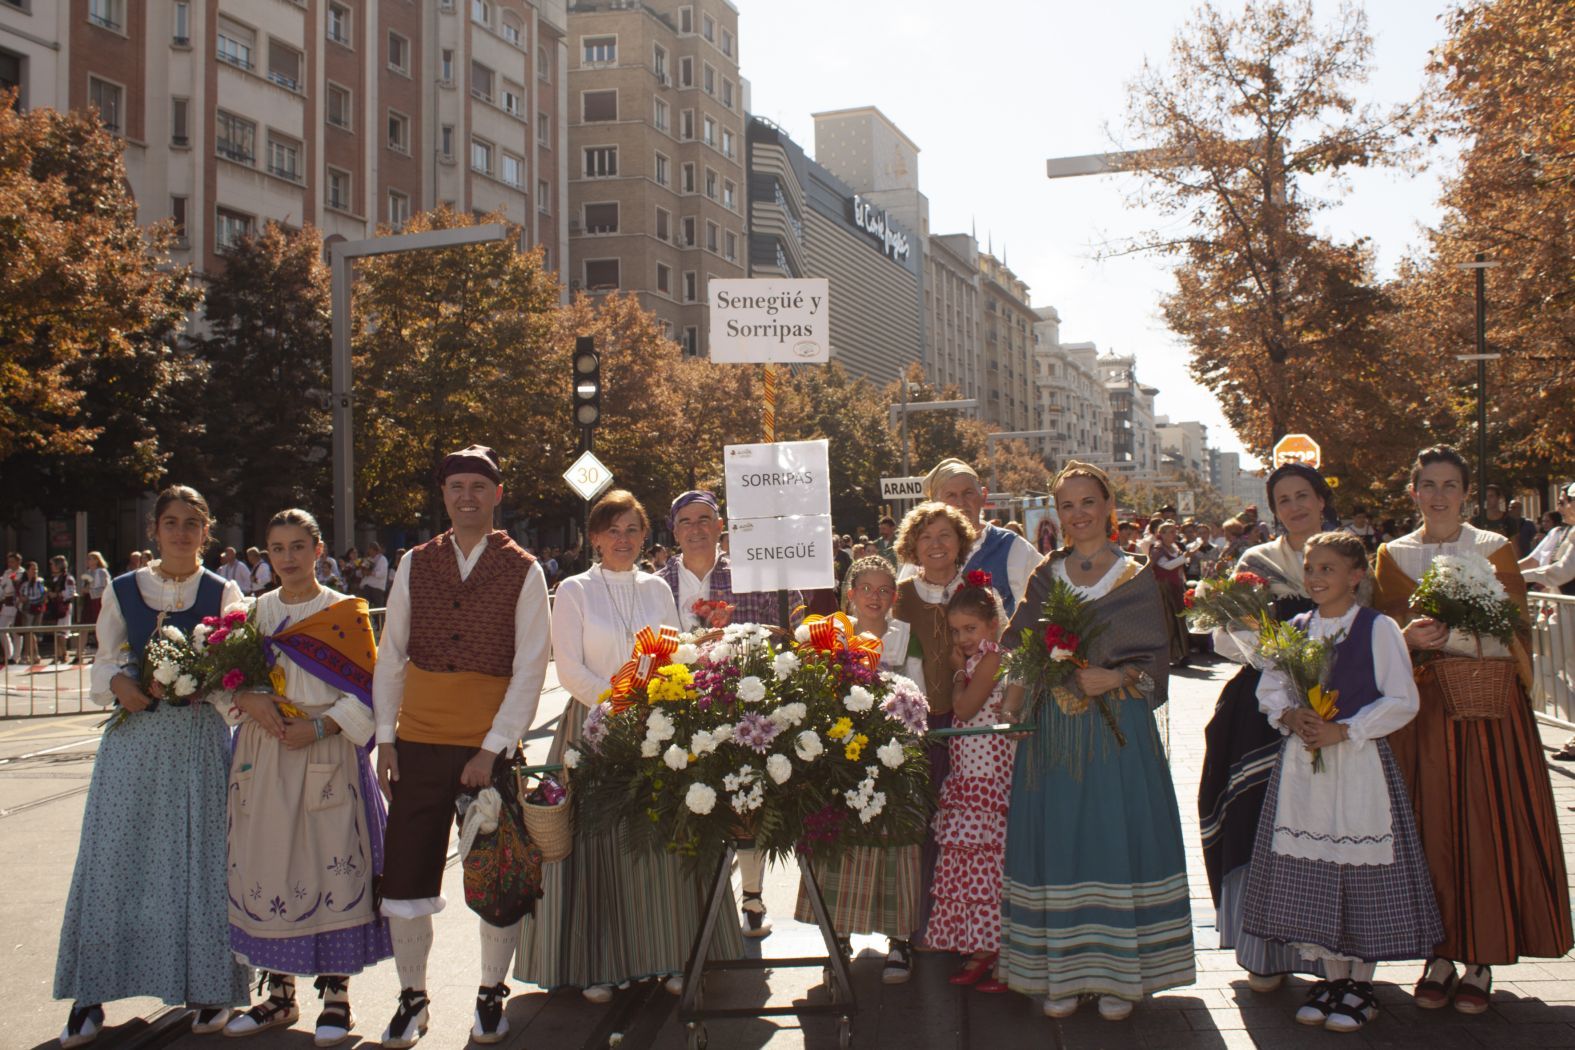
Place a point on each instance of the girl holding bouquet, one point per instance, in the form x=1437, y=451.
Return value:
x=146, y=915
x=970, y=827
x=1095, y=892
x=1337, y=872
x=1479, y=786
x=1240, y=748
x=306, y=817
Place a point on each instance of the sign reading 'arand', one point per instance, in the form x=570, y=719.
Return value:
x=779, y=516
x=770, y=320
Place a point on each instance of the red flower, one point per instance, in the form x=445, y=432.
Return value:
x=979, y=578
x=234, y=618
x=1187, y=600
x=210, y=621
x=1072, y=641
x=1250, y=578
x=218, y=636
x=234, y=678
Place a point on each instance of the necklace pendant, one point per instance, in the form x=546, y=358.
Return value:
x=1088, y=564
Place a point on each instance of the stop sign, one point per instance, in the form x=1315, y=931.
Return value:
x=1297, y=448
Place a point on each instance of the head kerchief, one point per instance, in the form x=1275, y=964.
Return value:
x=693, y=496
x=944, y=471
x=476, y=459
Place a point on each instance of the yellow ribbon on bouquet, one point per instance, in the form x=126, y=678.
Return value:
x=652, y=649
x=830, y=634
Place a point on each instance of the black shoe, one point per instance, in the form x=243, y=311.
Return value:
x=899, y=962
x=410, y=1020
x=82, y=1026
x=336, y=1020
x=755, y=922
x=276, y=1011
x=491, y=1026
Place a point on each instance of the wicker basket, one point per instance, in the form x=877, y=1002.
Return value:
x=1475, y=688
x=551, y=828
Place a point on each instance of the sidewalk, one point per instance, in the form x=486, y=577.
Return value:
x=1534, y=1002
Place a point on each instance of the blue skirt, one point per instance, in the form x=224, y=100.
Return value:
x=148, y=914
x=1095, y=896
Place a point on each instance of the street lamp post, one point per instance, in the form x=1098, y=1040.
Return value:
x=900, y=412
x=1481, y=357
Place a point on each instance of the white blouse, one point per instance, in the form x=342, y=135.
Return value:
x=595, y=617
x=306, y=690
x=1413, y=555
x=161, y=595
x=1100, y=587
x=1398, y=701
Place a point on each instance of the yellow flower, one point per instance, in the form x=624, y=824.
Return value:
x=1323, y=702
x=855, y=747
x=840, y=729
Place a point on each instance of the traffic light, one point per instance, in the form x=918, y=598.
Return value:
x=587, y=382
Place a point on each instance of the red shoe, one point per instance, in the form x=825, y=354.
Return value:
x=974, y=971
x=990, y=986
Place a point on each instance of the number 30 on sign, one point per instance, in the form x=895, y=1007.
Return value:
x=588, y=476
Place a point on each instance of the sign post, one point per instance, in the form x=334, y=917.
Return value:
x=1297, y=448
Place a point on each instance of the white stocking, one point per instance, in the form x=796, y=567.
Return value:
x=412, y=944
x=497, y=951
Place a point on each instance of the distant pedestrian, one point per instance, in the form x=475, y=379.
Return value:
x=10, y=607
x=96, y=582
x=262, y=572
x=61, y=600
x=232, y=567
x=350, y=569
x=374, y=583
x=33, y=595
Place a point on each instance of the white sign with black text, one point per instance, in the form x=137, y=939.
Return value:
x=768, y=319
x=776, y=554
x=777, y=480
x=902, y=488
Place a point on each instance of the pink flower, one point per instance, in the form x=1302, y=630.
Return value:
x=218, y=636
x=234, y=678
x=210, y=621
x=234, y=619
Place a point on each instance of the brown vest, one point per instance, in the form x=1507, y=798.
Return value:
x=460, y=626
x=928, y=629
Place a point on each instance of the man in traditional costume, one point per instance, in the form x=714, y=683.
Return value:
x=1009, y=558
x=461, y=662
x=702, y=574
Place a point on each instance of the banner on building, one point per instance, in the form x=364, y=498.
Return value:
x=770, y=320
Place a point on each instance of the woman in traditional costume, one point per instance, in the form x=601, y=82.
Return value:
x=306, y=817
x=936, y=538
x=612, y=913
x=1240, y=747
x=1169, y=563
x=146, y=915
x=1095, y=894
x=869, y=889
x=1479, y=786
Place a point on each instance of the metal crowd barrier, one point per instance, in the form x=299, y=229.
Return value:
x=1553, y=657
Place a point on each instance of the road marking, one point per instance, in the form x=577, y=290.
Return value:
x=43, y=801
x=49, y=750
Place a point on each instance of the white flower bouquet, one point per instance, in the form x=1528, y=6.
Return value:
x=797, y=745
x=171, y=672
x=1475, y=671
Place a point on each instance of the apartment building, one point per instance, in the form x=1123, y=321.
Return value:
x=951, y=308
x=1073, y=402
x=656, y=144
x=1134, y=441
x=1184, y=445
x=347, y=114
x=1006, y=350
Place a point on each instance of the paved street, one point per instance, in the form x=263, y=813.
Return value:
x=44, y=765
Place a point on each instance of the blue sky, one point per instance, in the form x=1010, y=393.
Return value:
x=990, y=89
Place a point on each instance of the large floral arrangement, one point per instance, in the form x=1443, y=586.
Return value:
x=1462, y=592
x=801, y=744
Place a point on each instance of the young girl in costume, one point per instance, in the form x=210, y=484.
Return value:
x=1337, y=871
x=970, y=827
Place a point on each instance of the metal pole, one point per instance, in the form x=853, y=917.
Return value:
x=904, y=425
x=343, y=438
x=1482, y=438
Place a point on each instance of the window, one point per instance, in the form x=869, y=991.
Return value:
x=686, y=72
x=446, y=66
x=730, y=247
x=398, y=208
x=659, y=62
x=398, y=131
x=338, y=189
x=543, y=64
x=710, y=131
x=598, y=105
x=710, y=183
x=686, y=20
x=708, y=80
x=511, y=98
x=543, y=195
x=178, y=214
x=691, y=340
x=284, y=65
x=513, y=29
x=686, y=182
x=686, y=125
x=339, y=106
x=708, y=27
x=481, y=81
x=729, y=194
x=601, y=162
x=664, y=278
x=446, y=141
x=106, y=13
x=234, y=44
x=180, y=113
x=599, y=50
x=513, y=170
x=664, y=224
x=284, y=157
x=727, y=143
x=601, y=275
x=543, y=129
x=230, y=228
x=237, y=138
x=339, y=23
x=727, y=93
x=661, y=170
x=713, y=235
x=727, y=43
x=601, y=218
x=661, y=115
x=481, y=12
x=398, y=53
x=180, y=25
x=689, y=240
x=481, y=155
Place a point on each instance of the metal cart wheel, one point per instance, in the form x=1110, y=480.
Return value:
x=697, y=1036
x=845, y=1033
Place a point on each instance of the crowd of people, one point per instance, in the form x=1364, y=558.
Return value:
x=1055, y=866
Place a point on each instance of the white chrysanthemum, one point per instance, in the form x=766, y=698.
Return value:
x=859, y=700
x=751, y=690
x=702, y=743
x=720, y=653
x=650, y=748
x=788, y=715
x=778, y=768
x=802, y=633
x=700, y=798
x=723, y=733
x=185, y=685
x=785, y=664
x=749, y=799
x=872, y=809
x=244, y=605
x=686, y=654
x=166, y=672
x=659, y=726
x=173, y=634
x=808, y=746
x=890, y=754
x=199, y=633
x=571, y=758
x=676, y=757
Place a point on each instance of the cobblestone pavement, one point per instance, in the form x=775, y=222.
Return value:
x=40, y=813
